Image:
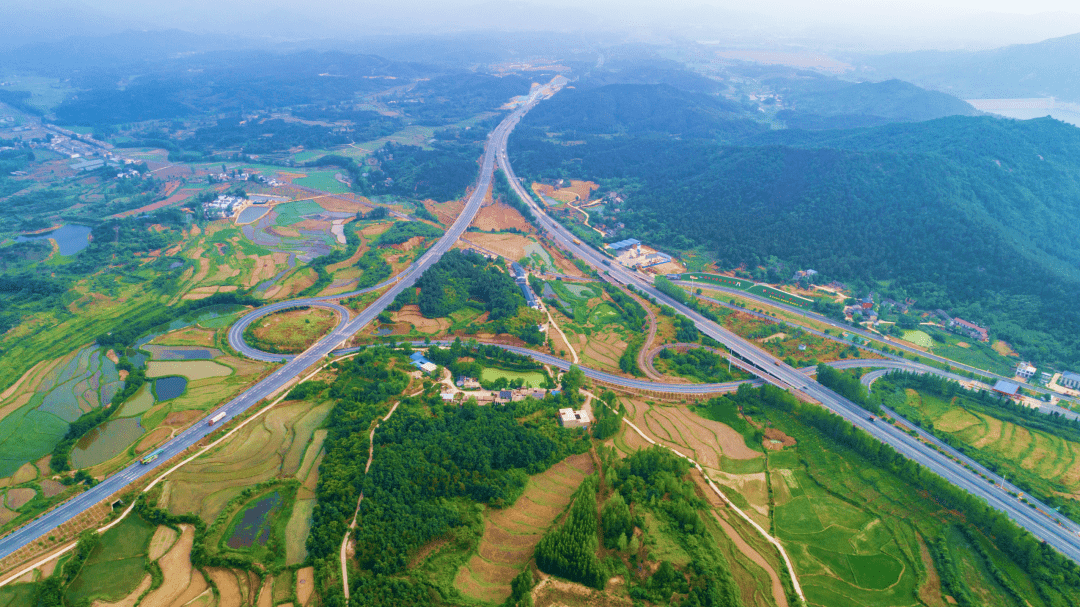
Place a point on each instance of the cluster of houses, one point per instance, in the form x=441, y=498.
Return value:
x=522, y=280
x=222, y=206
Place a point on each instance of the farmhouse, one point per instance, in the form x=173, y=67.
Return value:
x=1007, y=388
x=1025, y=370
x=422, y=363
x=971, y=329
x=624, y=244
x=467, y=383
x=1070, y=380
x=574, y=419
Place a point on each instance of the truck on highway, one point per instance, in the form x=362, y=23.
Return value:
x=213, y=420
x=576, y=241
x=149, y=457
x=871, y=418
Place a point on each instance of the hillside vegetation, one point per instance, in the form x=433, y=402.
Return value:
x=974, y=215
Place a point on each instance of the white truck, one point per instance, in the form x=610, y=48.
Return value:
x=213, y=420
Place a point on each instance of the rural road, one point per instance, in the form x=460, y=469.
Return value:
x=1063, y=536
x=286, y=374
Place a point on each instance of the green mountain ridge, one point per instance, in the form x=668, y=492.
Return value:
x=976, y=215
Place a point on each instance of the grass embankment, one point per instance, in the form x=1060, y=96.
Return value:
x=291, y=331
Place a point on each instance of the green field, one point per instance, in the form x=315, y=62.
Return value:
x=117, y=565
x=532, y=379
x=293, y=212
x=323, y=181
x=919, y=338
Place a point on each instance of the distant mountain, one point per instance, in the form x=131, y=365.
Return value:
x=1045, y=69
x=645, y=108
x=868, y=104
x=976, y=215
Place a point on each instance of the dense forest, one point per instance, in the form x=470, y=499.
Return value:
x=976, y=216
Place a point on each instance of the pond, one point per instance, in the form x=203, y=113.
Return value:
x=255, y=523
x=104, y=442
x=70, y=238
x=181, y=352
x=170, y=387
x=251, y=214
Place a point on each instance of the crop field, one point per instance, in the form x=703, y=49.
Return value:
x=35, y=412
x=293, y=331
x=280, y=444
x=291, y=213
x=191, y=369
x=296, y=532
x=323, y=181
x=919, y=338
x=857, y=535
x=511, y=534
x=532, y=379
x=1018, y=449
x=117, y=566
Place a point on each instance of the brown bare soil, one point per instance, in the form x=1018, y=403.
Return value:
x=344, y=203
x=1004, y=349
x=17, y=498
x=511, y=534
x=153, y=439
x=771, y=435
x=179, y=578
x=411, y=314
x=500, y=216
x=313, y=224
x=27, y=472
x=447, y=212
x=510, y=246
x=553, y=592
x=266, y=593
x=409, y=244
x=163, y=539
x=49, y=487
x=228, y=588
x=305, y=585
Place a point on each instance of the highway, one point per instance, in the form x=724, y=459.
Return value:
x=281, y=377
x=1064, y=537
x=870, y=335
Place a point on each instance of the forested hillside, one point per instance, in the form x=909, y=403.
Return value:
x=836, y=105
x=975, y=215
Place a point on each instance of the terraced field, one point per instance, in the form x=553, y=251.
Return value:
x=283, y=443
x=511, y=534
x=36, y=411
x=1044, y=455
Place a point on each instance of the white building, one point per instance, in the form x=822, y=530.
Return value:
x=574, y=419
x=1025, y=370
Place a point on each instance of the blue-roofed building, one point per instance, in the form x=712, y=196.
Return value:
x=1070, y=380
x=1007, y=388
x=624, y=244
x=421, y=362
x=517, y=270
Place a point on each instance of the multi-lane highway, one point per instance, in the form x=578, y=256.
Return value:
x=869, y=335
x=280, y=378
x=1063, y=536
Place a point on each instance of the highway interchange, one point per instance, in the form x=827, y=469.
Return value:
x=1063, y=536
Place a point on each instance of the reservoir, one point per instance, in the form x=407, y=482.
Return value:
x=70, y=238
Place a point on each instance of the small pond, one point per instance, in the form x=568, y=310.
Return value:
x=70, y=238
x=104, y=442
x=254, y=524
x=169, y=387
x=251, y=214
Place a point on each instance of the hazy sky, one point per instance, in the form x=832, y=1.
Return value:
x=871, y=25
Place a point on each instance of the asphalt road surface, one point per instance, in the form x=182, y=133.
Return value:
x=280, y=378
x=1058, y=532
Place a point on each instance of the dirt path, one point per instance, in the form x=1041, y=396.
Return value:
x=777, y=587
x=573, y=353
x=772, y=540
x=352, y=525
